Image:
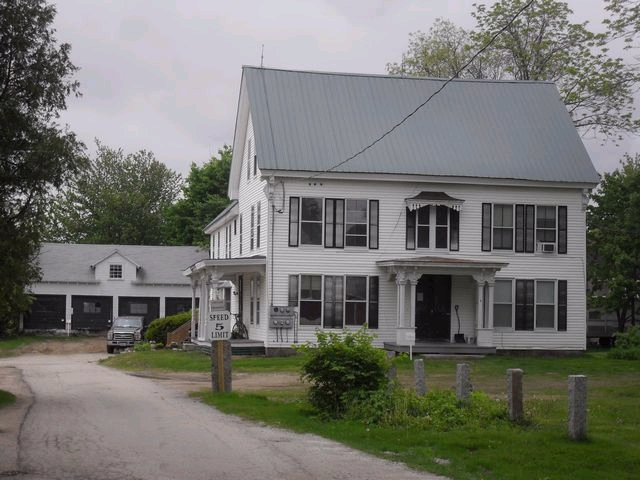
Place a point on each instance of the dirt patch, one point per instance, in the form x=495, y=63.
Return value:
x=65, y=345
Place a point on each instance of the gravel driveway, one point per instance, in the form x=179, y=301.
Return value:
x=76, y=419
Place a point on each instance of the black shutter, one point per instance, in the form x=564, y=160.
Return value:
x=411, y=230
x=520, y=228
x=373, y=302
x=530, y=229
x=562, y=229
x=486, y=227
x=454, y=230
x=294, y=220
x=562, y=305
x=373, y=224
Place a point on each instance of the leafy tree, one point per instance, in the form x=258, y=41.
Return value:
x=541, y=44
x=625, y=19
x=204, y=197
x=36, y=154
x=443, y=52
x=613, y=241
x=119, y=199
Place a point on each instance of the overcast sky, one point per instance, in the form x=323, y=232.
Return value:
x=164, y=75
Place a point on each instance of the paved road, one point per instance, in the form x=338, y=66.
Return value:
x=89, y=422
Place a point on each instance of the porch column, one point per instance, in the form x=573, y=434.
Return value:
x=194, y=312
x=413, y=281
x=203, y=311
x=480, y=304
x=401, y=280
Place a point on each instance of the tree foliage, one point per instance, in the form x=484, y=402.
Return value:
x=118, y=199
x=204, y=197
x=613, y=241
x=36, y=154
x=540, y=44
x=625, y=20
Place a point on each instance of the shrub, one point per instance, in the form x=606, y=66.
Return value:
x=343, y=368
x=627, y=344
x=158, y=329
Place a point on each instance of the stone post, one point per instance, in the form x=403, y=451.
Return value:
x=577, y=407
x=514, y=394
x=418, y=376
x=393, y=370
x=463, y=382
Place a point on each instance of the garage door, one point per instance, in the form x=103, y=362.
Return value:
x=91, y=312
x=175, y=305
x=47, y=313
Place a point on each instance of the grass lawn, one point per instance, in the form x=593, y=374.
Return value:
x=538, y=449
x=6, y=398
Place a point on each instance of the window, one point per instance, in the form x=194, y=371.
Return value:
x=335, y=301
x=356, y=223
x=333, y=298
x=546, y=224
x=138, y=308
x=91, y=307
x=218, y=244
x=115, y=270
x=240, y=239
x=227, y=247
x=311, y=221
x=531, y=225
x=503, y=227
x=334, y=223
x=539, y=304
x=355, y=305
x=432, y=227
x=258, y=226
x=503, y=304
x=249, y=156
x=310, y=299
x=255, y=164
x=235, y=227
x=251, y=231
x=349, y=222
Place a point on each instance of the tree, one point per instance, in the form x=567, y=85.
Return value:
x=542, y=44
x=204, y=197
x=613, y=241
x=442, y=53
x=625, y=19
x=118, y=199
x=36, y=154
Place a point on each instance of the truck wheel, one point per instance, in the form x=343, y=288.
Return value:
x=109, y=349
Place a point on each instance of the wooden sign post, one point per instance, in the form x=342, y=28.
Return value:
x=219, y=332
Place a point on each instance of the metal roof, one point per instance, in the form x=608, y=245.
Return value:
x=312, y=121
x=74, y=263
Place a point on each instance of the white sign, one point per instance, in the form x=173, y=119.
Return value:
x=219, y=325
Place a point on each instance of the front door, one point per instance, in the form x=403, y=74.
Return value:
x=433, y=308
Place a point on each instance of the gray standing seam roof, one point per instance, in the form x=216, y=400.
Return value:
x=69, y=263
x=311, y=121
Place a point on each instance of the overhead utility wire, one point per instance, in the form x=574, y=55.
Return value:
x=455, y=75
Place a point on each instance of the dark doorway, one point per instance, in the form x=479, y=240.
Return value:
x=147, y=307
x=433, y=308
x=47, y=313
x=173, y=305
x=91, y=312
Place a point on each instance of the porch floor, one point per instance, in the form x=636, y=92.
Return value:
x=441, y=348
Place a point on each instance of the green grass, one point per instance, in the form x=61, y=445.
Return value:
x=8, y=345
x=537, y=449
x=6, y=398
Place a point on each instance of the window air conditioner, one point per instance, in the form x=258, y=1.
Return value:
x=547, y=247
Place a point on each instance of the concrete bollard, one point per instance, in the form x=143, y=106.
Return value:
x=463, y=382
x=577, y=422
x=514, y=394
x=418, y=376
x=393, y=370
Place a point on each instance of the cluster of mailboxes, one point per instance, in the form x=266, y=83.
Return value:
x=282, y=317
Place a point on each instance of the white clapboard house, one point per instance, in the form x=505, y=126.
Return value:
x=84, y=286
x=459, y=221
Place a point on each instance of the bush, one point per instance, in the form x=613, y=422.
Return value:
x=158, y=329
x=343, y=368
x=627, y=344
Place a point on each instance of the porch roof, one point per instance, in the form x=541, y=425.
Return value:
x=221, y=268
x=441, y=265
x=433, y=198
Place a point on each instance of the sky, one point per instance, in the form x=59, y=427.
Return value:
x=164, y=76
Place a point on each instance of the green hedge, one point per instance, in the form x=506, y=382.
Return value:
x=158, y=329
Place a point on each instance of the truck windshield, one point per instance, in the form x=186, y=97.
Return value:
x=127, y=322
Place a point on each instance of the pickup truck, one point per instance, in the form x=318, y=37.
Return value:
x=124, y=332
